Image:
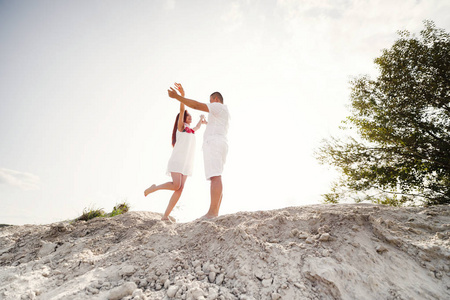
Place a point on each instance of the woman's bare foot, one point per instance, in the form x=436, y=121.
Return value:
x=208, y=216
x=150, y=190
x=166, y=219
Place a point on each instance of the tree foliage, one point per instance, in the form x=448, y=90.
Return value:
x=401, y=154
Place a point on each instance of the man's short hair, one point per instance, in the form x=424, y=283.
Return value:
x=218, y=95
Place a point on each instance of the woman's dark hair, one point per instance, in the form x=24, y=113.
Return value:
x=175, y=127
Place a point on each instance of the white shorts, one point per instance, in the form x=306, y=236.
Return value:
x=214, y=156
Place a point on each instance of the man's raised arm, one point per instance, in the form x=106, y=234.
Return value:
x=188, y=102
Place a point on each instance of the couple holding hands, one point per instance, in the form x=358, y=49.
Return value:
x=215, y=149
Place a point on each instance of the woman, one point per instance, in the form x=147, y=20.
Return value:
x=181, y=163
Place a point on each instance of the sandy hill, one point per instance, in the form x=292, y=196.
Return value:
x=347, y=251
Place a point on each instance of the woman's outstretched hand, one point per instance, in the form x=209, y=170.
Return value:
x=179, y=87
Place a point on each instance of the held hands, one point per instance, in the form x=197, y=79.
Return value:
x=200, y=122
x=173, y=93
x=203, y=120
x=179, y=87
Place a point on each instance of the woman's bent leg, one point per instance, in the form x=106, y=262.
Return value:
x=172, y=186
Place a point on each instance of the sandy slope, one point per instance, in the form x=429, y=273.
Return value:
x=312, y=252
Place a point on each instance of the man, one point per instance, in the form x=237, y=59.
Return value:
x=215, y=144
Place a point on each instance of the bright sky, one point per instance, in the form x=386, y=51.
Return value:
x=85, y=120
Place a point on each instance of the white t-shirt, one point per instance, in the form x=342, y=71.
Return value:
x=218, y=119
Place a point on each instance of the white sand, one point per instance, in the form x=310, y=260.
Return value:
x=314, y=252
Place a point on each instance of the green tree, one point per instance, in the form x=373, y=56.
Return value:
x=401, y=153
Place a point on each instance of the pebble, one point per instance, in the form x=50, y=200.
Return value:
x=127, y=271
x=219, y=279
x=380, y=249
x=267, y=282
x=302, y=236
x=246, y=297
x=150, y=253
x=196, y=293
x=324, y=228
x=106, y=285
x=46, y=249
x=213, y=294
x=143, y=282
x=167, y=284
x=438, y=275
x=440, y=235
x=138, y=293
x=196, y=263
x=199, y=271
x=324, y=237
x=276, y=296
x=122, y=291
x=212, y=276
x=92, y=290
x=172, y=291
x=355, y=244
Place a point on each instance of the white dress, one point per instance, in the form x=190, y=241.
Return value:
x=182, y=158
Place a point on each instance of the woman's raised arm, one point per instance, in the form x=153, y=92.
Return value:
x=180, y=125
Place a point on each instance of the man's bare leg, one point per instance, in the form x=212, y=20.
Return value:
x=216, y=197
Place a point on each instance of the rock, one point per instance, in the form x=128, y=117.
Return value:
x=145, y=251
x=324, y=229
x=172, y=291
x=355, y=244
x=214, y=268
x=302, y=235
x=149, y=253
x=324, y=237
x=143, y=283
x=213, y=294
x=212, y=276
x=46, y=271
x=246, y=297
x=166, y=284
x=440, y=235
x=219, y=279
x=29, y=295
x=196, y=293
x=199, y=271
x=267, y=282
x=276, y=296
x=92, y=290
x=380, y=249
x=124, y=290
x=438, y=275
x=60, y=227
x=47, y=248
x=127, y=271
x=138, y=293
